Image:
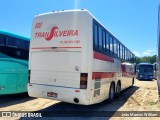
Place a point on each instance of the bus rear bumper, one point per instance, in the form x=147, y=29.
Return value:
x=69, y=95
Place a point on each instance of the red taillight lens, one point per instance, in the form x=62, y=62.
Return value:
x=29, y=75
x=83, y=80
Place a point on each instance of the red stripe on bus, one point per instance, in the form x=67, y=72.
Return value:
x=53, y=47
x=103, y=57
x=68, y=47
x=42, y=48
x=101, y=75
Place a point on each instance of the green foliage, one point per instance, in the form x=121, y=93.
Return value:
x=149, y=59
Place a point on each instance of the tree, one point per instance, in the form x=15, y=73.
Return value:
x=148, y=59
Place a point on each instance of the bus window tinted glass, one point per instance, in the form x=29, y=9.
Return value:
x=111, y=45
x=107, y=41
x=100, y=38
x=121, y=51
x=118, y=49
x=95, y=35
x=20, y=44
x=27, y=45
x=104, y=41
x=2, y=39
x=115, y=47
x=11, y=41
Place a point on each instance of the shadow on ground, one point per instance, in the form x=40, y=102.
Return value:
x=7, y=100
x=103, y=110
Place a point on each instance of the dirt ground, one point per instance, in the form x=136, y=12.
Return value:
x=143, y=96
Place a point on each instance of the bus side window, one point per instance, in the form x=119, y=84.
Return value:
x=111, y=45
x=95, y=35
x=121, y=51
x=118, y=49
x=100, y=38
x=124, y=53
x=130, y=56
x=2, y=39
x=107, y=43
x=11, y=41
x=104, y=41
x=20, y=44
x=27, y=45
x=115, y=48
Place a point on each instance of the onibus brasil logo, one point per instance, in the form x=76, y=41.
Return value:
x=55, y=32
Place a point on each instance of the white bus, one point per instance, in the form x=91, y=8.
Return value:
x=73, y=58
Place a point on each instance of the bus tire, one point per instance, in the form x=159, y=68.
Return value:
x=118, y=88
x=132, y=82
x=111, y=93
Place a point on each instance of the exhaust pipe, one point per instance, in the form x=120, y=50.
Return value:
x=76, y=100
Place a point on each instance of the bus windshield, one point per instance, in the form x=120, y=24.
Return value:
x=146, y=69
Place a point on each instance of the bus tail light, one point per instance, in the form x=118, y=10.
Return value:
x=29, y=75
x=83, y=80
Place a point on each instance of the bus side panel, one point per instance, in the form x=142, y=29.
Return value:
x=8, y=83
x=104, y=72
x=22, y=82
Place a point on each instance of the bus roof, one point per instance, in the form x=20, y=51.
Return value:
x=83, y=10
x=143, y=63
x=14, y=35
x=63, y=11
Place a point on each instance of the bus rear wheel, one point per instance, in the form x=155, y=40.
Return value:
x=118, y=89
x=132, y=82
x=111, y=93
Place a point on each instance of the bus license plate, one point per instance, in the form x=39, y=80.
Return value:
x=52, y=94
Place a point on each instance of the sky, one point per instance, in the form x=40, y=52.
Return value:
x=133, y=22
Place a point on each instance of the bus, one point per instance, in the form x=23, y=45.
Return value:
x=158, y=52
x=14, y=54
x=75, y=59
x=144, y=71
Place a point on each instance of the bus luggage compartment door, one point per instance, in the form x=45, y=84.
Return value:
x=56, y=68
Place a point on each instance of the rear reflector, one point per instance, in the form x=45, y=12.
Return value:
x=83, y=80
x=77, y=90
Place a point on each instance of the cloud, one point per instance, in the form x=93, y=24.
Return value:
x=138, y=54
x=149, y=52
x=146, y=53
